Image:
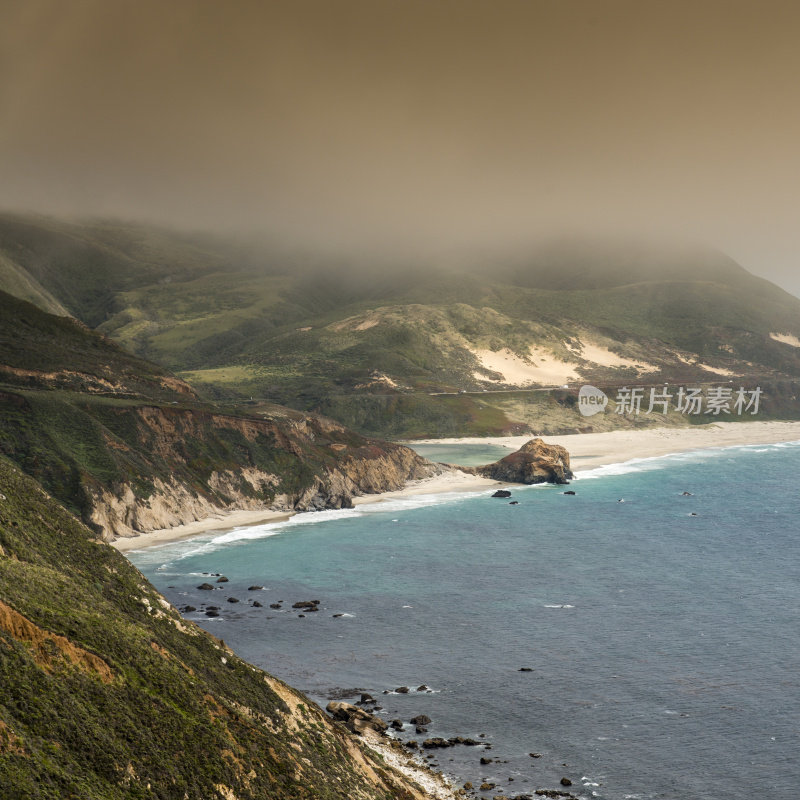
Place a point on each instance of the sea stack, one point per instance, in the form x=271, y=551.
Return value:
x=535, y=462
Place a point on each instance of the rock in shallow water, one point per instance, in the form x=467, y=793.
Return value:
x=356, y=719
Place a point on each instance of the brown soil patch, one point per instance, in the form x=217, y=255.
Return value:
x=47, y=647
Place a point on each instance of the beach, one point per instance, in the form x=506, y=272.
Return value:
x=590, y=450
x=587, y=451
x=223, y=521
x=227, y=520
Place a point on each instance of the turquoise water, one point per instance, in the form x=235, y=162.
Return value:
x=471, y=455
x=663, y=647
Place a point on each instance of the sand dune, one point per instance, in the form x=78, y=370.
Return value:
x=544, y=368
x=786, y=338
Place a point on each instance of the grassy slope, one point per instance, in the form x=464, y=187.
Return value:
x=71, y=356
x=17, y=281
x=240, y=324
x=134, y=702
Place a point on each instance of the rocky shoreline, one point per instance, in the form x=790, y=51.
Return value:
x=361, y=719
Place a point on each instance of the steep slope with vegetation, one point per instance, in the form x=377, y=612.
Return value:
x=414, y=349
x=130, y=448
x=107, y=693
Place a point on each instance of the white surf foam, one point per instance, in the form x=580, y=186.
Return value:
x=393, y=506
x=660, y=462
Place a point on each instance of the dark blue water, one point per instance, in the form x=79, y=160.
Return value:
x=663, y=647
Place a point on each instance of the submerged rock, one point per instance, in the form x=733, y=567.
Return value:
x=309, y=604
x=436, y=741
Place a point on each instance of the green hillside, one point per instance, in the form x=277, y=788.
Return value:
x=414, y=349
x=107, y=693
x=121, y=442
x=17, y=281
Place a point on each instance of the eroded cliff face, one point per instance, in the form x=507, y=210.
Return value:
x=205, y=463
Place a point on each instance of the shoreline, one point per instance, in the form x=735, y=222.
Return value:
x=590, y=450
x=229, y=520
x=222, y=521
x=587, y=451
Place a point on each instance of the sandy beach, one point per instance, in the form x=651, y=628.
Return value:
x=225, y=521
x=587, y=450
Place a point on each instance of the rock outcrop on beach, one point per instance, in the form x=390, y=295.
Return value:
x=356, y=719
x=535, y=462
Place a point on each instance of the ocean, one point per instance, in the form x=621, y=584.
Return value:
x=657, y=630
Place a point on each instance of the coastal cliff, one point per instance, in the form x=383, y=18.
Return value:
x=129, y=448
x=109, y=693
x=203, y=464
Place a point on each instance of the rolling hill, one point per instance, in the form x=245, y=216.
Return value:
x=399, y=349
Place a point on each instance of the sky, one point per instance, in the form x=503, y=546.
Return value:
x=413, y=126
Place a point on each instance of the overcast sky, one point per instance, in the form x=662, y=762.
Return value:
x=427, y=125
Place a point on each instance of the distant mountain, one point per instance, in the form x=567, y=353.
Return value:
x=411, y=349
